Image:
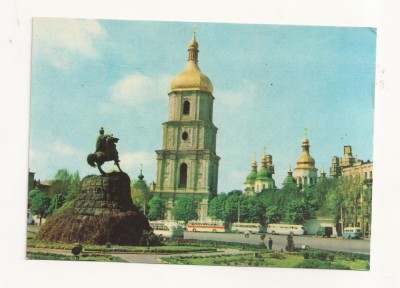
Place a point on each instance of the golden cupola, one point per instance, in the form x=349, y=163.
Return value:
x=192, y=79
x=305, y=160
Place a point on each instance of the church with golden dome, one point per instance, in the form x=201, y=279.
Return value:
x=305, y=171
x=187, y=164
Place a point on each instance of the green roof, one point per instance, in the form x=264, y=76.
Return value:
x=264, y=174
x=251, y=178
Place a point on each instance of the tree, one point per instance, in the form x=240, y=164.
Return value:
x=232, y=212
x=32, y=195
x=216, y=207
x=39, y=205
x=157, y=209
x=56, y=202
x=350, y=201
x=296, y=212
x=140, y=194
x=65, y=184
x=302, y=207
x=273, y=214
x=186, y=209
x=252, y=210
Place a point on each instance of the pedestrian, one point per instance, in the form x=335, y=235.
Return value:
x=270, y=243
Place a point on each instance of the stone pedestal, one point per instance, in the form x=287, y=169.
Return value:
x=102, y=212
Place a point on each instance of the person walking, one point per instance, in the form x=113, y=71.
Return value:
x=270, y=242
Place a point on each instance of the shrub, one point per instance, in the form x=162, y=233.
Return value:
x=290, y=243
x=277, y=255
x=262, y=245
x=340, y=266
x=313, y=263
x=315, y=254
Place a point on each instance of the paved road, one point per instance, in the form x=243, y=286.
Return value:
x=334, y=244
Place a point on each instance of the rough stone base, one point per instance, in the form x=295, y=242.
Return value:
x=102, y=212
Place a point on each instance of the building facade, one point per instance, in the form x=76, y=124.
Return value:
x=305, y=171
x=257, y=181
x=350, y=166
x=187, y=164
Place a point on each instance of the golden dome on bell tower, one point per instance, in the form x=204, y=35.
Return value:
x=305, y=160
x=192, y=79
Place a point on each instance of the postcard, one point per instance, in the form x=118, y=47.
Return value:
x=246, y=145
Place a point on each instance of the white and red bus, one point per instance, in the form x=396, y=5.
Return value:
x=212, y=226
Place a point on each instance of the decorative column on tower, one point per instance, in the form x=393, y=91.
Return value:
x=305, y=172
x=187, y=164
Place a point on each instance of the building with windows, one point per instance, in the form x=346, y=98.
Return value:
x=187, y=164
x=349, y=166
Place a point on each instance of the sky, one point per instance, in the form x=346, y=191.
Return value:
x=270, y=82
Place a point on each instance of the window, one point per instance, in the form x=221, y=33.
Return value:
x=186, y=107
x=365, y=175
x=183, y=175
x=185, y=136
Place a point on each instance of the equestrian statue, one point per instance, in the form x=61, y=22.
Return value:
x=106, y=150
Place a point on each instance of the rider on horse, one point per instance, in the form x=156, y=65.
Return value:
x=106, y=150
x=101, y=143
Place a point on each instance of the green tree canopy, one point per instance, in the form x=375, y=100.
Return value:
x=216, y=207
x=157, y=209
x=39, y=205
x=66, y=184
x=186, y=209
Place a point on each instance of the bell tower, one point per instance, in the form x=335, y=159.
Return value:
x=187, y=164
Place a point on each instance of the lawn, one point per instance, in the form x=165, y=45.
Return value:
x=83, y=257
x=245, y=255
x=269, y=259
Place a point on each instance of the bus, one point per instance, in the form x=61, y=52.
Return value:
x=286, y=229
x=166, y=228
x=246, y=227
x=352, y=233
x=200, y=226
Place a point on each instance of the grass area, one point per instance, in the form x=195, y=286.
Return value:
x=269, y=259
x=259, y=259
x=250, y=255
x=167, y=249
x=83, y=257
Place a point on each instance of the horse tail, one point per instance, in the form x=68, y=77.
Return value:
x=91, y=159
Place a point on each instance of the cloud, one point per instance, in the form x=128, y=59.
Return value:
x=137, y=89
x=58, y=40
x=235, y=99
x=66, y=150
x=133, y=160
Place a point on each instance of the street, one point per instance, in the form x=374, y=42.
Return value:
x=279, y=241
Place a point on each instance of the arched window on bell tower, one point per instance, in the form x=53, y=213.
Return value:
x=186, y=107
x=183, y=175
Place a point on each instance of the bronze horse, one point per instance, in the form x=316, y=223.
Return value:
x=107, y=153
